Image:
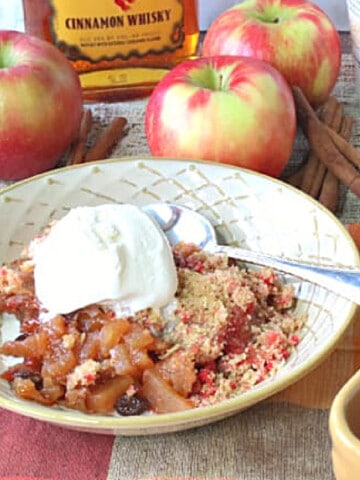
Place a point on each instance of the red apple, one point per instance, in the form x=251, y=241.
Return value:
x=40, y=105
x=294, y=36
x=235, y=110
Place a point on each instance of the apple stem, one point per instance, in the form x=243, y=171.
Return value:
x=221, y=77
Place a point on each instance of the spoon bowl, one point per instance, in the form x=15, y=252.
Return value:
x=181, y=224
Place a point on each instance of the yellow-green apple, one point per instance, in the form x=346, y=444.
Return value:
x=295, y=36
x=228, y=109
x=40, y=105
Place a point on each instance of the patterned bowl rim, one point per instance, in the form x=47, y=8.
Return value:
x=190, y=418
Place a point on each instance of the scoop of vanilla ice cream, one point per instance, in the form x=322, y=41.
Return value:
x=108, y=253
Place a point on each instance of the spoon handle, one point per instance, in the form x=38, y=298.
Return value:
x=342, y=281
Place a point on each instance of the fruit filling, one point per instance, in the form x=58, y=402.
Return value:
x=226, y=330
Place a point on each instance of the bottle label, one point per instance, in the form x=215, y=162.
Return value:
x=97, y=30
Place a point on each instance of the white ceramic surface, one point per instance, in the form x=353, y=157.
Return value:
x=248, y=209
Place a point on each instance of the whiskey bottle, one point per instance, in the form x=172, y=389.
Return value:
x=120, y=48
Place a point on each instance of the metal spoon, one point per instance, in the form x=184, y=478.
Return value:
x=183, y=224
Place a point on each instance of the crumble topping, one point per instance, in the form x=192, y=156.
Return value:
x=83, y=375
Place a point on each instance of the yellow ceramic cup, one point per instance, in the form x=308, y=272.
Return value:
x=344, y=424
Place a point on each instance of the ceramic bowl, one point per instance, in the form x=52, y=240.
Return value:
x=247, y=209
x=344, y=425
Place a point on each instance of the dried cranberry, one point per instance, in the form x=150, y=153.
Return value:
x=21, y=337
x=28, y=375
x=238, y=331
x=127, y=405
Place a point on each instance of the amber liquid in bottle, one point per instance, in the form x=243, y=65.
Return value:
x=120, y=48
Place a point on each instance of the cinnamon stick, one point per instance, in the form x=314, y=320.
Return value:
x=78, y=151
x=331, y=157
x=304, y=110
x=346, y=148
x=329, y=195
x=322, y=143
x=335, y=123
x=306, y=113
x=107, y=139
x=347, y=127
x=315, y=170
x=296, y=178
